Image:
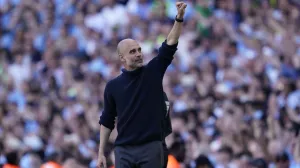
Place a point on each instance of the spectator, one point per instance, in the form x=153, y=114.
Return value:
x=282, y=160
x=203, y=162
x=12, y=160
x=258, y=163
x=30, y=160
x=52, y=161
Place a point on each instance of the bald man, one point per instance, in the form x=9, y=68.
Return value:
x=136, y=99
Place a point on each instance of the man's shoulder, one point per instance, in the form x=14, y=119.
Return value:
x=114, y=81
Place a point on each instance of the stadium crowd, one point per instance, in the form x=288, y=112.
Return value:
x=234, y=84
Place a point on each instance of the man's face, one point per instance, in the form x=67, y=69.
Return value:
x=132, y=56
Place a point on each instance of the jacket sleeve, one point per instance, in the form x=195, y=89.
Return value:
x=109, y=113
x=164, y=58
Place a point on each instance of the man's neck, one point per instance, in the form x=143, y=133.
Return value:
x=130, y=69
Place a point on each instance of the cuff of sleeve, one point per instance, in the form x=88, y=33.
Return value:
x=106, y=124
x=174, y=46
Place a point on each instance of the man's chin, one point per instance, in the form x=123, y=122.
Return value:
x=137, y=65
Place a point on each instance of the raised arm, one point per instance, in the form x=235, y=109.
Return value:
x=168, y=48
x=176, y=30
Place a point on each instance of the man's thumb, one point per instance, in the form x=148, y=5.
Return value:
x=183, y=6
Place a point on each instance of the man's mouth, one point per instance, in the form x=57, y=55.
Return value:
x=139, y=61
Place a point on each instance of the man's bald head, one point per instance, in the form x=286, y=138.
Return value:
x=123, y=45
x=130, y=54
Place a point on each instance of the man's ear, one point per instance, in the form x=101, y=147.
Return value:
x=121, y=58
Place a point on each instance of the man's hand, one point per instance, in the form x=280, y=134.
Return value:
x=104, y=132
x=174, y=34
x=180, y=9
x=101, y=163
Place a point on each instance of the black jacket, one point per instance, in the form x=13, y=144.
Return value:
x=136, y=99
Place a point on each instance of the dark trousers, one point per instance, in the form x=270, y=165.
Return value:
x=149, y=155
x=166, y=154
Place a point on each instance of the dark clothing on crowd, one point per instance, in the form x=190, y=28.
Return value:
x=167, y=120
x=167, y=129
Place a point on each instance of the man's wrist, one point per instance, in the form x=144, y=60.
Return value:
x=179, y=18
x=101, y=151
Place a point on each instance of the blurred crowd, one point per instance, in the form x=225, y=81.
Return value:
x=234, y=83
